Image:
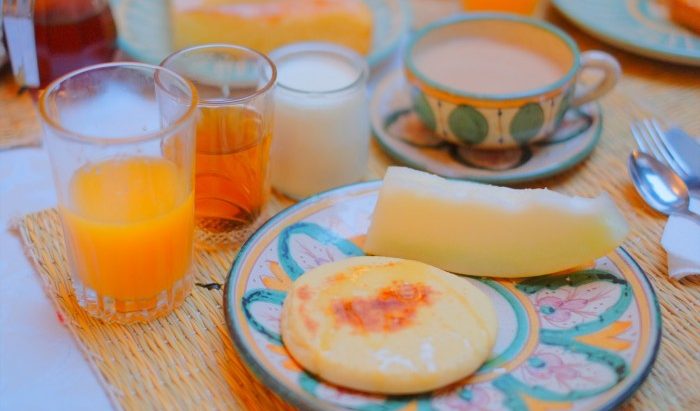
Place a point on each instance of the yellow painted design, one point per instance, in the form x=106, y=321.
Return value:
x=643, y=304
x=289, y=363
x=533, y=404
x=607, y=337
x=358, y=240
x=279, y=281
x=411, y=406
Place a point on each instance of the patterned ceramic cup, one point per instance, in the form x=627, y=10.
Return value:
x=503, y=120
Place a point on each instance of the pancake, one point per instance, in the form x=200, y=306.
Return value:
x=387, y=325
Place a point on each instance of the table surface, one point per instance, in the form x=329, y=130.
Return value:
x=41, y=367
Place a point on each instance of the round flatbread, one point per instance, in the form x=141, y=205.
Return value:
x=387, y=325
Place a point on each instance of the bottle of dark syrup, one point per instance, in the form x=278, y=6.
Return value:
x=49, y=38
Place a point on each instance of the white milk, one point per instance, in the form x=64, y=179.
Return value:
x=321, y=132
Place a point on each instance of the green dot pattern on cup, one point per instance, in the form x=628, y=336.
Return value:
x=468, y=124
x=425, y=112
x=527, y=123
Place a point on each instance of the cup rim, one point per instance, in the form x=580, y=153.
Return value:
x=348, y=54
x=65, y=133
x=227, y=101
x=502, y=17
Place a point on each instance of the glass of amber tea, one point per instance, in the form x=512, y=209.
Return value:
x=233, y=138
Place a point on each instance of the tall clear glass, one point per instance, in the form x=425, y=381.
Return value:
x=120, y=138
x=233, y=138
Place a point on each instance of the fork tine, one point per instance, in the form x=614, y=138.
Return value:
x=659, y=148
x=676, y=165
x=650, y=142
x=637, y=134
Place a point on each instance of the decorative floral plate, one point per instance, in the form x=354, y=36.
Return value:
x=401, y=134
x=583, y=340
x=639, y=26
x=144, y=28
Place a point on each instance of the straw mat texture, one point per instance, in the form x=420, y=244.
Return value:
x=186, y=360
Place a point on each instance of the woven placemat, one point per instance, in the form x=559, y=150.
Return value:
x=19, y=121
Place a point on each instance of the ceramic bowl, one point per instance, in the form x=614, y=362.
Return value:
x=512, y=119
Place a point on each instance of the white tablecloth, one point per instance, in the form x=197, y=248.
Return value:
x=41, y=367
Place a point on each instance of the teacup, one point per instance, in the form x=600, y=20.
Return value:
x=498, y=81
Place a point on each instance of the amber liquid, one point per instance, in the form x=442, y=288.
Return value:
x=71, y=34
x=231, y=179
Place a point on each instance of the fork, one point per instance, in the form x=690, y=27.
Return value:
x=651, y=139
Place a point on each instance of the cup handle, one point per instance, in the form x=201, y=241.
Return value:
x=604, y=62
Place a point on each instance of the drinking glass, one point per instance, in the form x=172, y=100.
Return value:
x=233, y=138
x=120, y=138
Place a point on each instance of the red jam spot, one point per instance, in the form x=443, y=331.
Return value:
x=304, y=293
x=393, y=308
x=310, y=324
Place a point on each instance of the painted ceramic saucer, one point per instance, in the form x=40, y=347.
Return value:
x=401, y=134
x=639, y=26
x=144, y=28
x=583, y=340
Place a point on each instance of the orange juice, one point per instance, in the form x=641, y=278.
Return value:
x=510, y=6
x=129, y=226
x=231, y=183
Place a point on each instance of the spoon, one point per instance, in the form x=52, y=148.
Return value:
x=657, y=184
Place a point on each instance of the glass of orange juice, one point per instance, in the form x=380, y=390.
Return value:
x=121, y=141
x=233, y=138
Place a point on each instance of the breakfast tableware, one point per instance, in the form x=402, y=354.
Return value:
x=46, y=38
x=638, y=26
x=514, y=93
x=666, y=193
x=685, y=150
x=657, y=184
x=144, y=28
x=234, y=132
x=583, y=339
x=651, y=139
x=404, y=137
x=321, y=119
x=120, y=138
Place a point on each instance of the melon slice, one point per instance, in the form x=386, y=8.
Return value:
x=483, y=230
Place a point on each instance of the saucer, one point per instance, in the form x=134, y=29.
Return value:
x=402, y=135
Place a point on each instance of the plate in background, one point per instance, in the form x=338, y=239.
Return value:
x=639, y=26
x=144, y=28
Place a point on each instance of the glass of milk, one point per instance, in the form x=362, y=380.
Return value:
x=321, y=130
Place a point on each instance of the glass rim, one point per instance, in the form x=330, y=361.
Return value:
x=227, y=100
x=66, y=133
x=348, y=54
